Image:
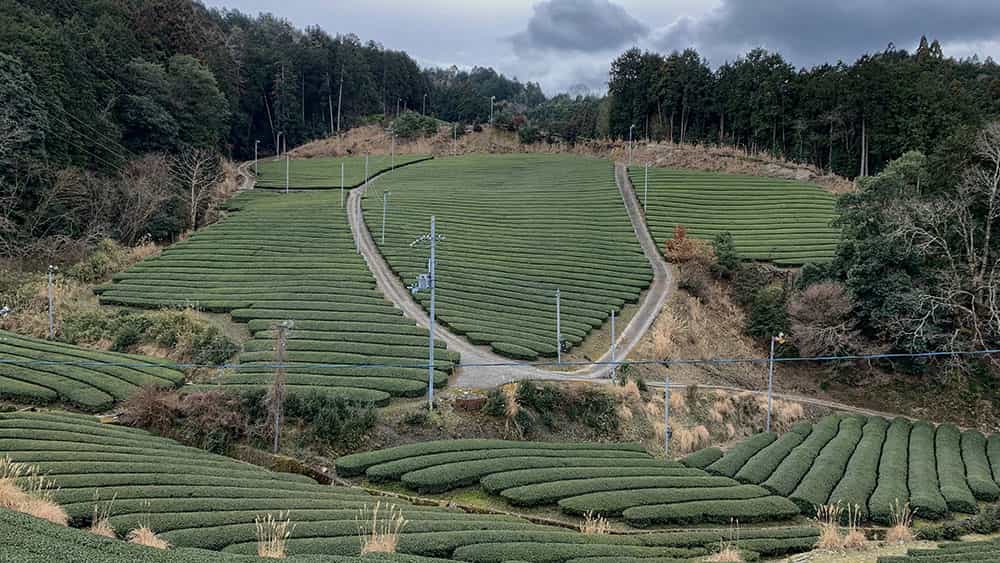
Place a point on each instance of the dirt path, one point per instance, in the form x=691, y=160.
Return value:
x=471, y=372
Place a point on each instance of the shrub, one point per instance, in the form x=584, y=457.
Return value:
x=411, y=125
x=595, y=407
x=738, y=455
x=925, y=496
x=822, y=320
x=496, y=403
x=768, y=315
x=893, y=465
x=151, y=408
x=329, y=419
x=727, y=260
x=702, y=458
x=212, y=420
x=977, y=467
x=951, y=470
x=828, y=467
x=861, y=475
x=748, y=279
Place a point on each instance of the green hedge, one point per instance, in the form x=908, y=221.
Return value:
x=828, y=467
x=797, y=463
x=547, y=493
x=893, y=465
x=614, y=503
x=737, y=456
x=977, y=467
x=759, y=467
x=356, y=464
x=559, y=552
x=951, y=470
x=925, y=495
x=514, y=351
x=702, y=458
x=861, y=475
x=497, y=482
x=712, y=511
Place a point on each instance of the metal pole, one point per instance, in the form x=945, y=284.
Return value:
x=558, y=332
x=52, y=326
x=492, y=98
x=366, y=170
x=277, y=145
x=645, y=189
x=287, y=164
x=612, y=339
x=454, y=139
x=385, y=204
x=255, y=171
x=392, y=152
x=423, y=108
x=770, y=379
x=630, y=145
x=340, y=97
x=433, y=280
x=341, y=184
x=666, y=415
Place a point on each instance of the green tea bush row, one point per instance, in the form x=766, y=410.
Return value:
x=828, y=467
x=712, y=511
x=497, y=482
x=737, y=456
x=951, y=470
x=702, y=458
x=794, y=467
x=548, y=493
x=977, y=467
x=893, y=467
x=862, y=473
x=925, y=494
x=759, y=467
x=615, y=502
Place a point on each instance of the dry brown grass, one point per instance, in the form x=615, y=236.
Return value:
x=678, y=404
x=24, y=489
x=901, y=524
x=595, y=525
x=727, y=553
x=828, y=520
x=100, y=524
x=687, y=440
x=855, y=537
x=379, y=530
x=272, y=535
x=147, y=537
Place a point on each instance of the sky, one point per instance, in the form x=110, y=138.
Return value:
x=568, y=45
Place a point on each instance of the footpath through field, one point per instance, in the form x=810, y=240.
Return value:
x=472, y=374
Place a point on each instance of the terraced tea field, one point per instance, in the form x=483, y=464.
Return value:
x=782, y=221
x=618, y=480
x=955, y=552
x=324, y=172
x=291, y=257
x=37, y=371
x=515, y=228
x=870, y=462
x=194, y=499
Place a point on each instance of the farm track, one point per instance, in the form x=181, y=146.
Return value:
x=471, y=372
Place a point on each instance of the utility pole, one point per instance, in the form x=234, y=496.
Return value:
x=276, y=397
x=277, y=145
x=366, y=170
x=645, y=189
x=780, y=339
x=341, y=184
x=287, y=166
x=492, y=98
x=52, y=302
x=423, y=108
x=392, y=151
x=666, y=413
x=454, y=139
x=630, y=129
x=613, y=341
x=428, y=280
x=255, y=145
x=385, y=205
x=340, y=97
x=558, y=331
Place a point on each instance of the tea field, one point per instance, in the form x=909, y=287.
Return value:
x=515, y=228
x=782, y=221
x=195, y=499
x=37, y=371
x=619, y=480
x=324, y=172
x=956, y=552
x=869, y=462
x=280, y=257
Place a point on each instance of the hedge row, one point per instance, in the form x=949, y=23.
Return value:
x=497, y=482
x=977, y=467
x=737, y=456
x=925, y=494
x=862, y=473
x=958, y=552
x=951, y=470
x=794, y=467
x=559, y=552
x=548, y=493
x=828, y=467
x=615, y=502
x=759, y=467
x=702, y=458
x=893, y=469
x=712, y=511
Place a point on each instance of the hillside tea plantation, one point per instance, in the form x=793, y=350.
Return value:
x=291, y=257
x=869, y=462
x=956, y=552
x=782, y=221
x=324, y=172
x=195, y=499
x=515, y=228
x=39, y=371
x=615, y=480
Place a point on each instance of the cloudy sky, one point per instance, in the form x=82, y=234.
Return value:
x=568, y=44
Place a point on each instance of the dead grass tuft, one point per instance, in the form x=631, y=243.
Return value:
x=729, y=550
x=379, y=533
x=147, y=537
x=828, y=519
x=24, y=489
x=595, y=525
x=272, y=534
x=855, y=538
x=901, y=520
x=686, y=440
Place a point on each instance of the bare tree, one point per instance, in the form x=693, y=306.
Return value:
x=822, y=320
x=145, y=187
x=198, y=172
x=956, y=230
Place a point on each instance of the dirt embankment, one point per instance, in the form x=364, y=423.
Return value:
x=372, y=139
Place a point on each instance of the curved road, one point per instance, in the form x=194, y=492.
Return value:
x=471, y=373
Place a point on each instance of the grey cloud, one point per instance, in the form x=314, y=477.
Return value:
x=586, y=26
x=813, y=32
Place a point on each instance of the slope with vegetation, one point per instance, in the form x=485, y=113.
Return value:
x=515, y=229
x=320, y=173
x=283, y=258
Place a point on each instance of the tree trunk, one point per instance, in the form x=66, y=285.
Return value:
x=672, y=127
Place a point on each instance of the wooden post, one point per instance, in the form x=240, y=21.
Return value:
x=276, y=396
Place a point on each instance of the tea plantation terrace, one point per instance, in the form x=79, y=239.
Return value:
x=620, y=480
x=783, y=221
x=195, y=499
x=34, y=371
x=324, y=172
x=515, y=228
x=870, y=462
x=280, y=257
